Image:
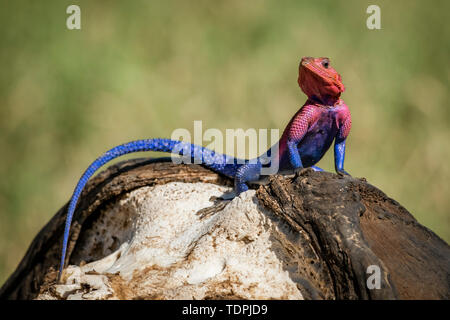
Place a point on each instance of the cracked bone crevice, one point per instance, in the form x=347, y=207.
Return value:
x=152, y=244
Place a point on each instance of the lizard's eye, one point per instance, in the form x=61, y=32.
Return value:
x=326, y=63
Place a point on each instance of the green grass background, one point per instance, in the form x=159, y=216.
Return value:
x=140, y=69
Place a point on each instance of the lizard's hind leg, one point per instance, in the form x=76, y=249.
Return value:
x=219, y=205
x=249, y=172
x=245, y=173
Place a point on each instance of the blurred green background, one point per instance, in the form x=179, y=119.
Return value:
x=140, y=69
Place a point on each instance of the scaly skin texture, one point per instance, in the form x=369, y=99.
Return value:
x=323, y=118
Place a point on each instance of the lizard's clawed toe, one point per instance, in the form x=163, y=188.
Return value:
x=343, y=173
x=301, y=171
x=223, y=197
x=219, y=205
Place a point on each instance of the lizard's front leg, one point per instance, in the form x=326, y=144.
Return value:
x=345, y=124
x=339, y=156
x=294, y=156
x=297, y=130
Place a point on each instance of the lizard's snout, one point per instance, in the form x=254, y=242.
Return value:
x=306, y=60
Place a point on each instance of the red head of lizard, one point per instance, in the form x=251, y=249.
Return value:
x=319, y=81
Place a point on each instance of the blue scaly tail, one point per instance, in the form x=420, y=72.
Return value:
x=215, y=161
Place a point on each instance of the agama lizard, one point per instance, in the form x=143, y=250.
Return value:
x=323, y=118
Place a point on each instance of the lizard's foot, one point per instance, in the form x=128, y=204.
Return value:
x=299, y=171
x=343, y=173
x=317, y=168
x=219, y=204
x=226, y=196
x=262, y=181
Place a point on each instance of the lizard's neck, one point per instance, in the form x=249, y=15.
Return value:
x=328, y=102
